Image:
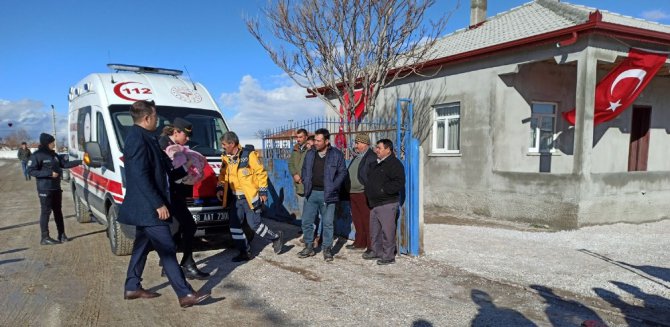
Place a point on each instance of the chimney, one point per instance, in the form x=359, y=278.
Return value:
x=477, y=12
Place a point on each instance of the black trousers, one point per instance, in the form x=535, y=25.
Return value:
x=157, y=238
x=187, y=228
x=51, y=200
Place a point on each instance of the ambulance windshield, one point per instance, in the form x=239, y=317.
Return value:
x=208, y=126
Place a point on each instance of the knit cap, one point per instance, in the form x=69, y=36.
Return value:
x=46, y=139
x=362, y=138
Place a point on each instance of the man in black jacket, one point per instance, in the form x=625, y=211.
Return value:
x=145, y=206
x=386, y=180
x=47, y=167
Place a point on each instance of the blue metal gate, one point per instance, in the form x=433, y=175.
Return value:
x=407, y=149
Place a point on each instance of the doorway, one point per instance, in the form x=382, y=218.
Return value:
x=638, y=151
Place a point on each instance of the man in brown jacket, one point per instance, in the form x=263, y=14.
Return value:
x=297, y=159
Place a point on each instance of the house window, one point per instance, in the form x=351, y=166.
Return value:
x=447, y=128
x=542, y=132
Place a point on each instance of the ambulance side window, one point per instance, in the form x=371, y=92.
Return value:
x=83, y=126
x=103, y=140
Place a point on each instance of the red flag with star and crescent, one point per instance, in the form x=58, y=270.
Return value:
x=619, y=89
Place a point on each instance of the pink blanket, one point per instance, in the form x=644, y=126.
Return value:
x=180, y=155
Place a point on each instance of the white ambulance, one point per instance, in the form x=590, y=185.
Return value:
x=99, y=119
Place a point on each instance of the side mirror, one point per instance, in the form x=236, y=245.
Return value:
x=93, y=155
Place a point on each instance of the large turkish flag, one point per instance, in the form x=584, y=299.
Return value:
x=360, y=101
x=622, y=85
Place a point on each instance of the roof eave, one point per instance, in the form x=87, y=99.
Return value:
x=570, y=33
x=594, y=25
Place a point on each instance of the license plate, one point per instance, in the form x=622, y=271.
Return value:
x=210, y=216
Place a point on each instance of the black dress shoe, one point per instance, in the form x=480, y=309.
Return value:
x=369, y=255
x=191, y=271
x=63, y=238
x=354, y=247
x=139, y=294
x=193, y=298
x=383, y=262
x=48, y=241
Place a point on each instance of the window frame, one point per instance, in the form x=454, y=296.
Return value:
x=536, y=142
x=102, y=138
x=446, y=120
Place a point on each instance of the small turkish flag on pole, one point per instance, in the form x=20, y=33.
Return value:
x=619, y=89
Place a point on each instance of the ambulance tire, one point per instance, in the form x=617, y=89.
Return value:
x=120, y=241
x=81, y=210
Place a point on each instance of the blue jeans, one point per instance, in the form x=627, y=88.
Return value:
x=315, y=204
x=24, y=165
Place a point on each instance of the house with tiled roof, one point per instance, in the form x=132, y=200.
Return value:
x=488, y=118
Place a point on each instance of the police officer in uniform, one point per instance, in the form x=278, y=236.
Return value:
x=47, y=167
x=179, y=133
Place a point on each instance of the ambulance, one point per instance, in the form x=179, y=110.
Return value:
x=99, y=120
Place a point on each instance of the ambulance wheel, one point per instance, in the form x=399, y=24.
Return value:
x=81, y=210
x=119, y=239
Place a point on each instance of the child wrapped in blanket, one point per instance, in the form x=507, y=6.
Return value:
x=173, y=140
x=180, y=154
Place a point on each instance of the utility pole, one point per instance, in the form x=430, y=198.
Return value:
x=53, y=115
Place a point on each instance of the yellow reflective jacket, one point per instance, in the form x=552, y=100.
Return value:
x=251, y=180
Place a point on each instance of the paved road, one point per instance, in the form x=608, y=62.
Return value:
x=80, y=283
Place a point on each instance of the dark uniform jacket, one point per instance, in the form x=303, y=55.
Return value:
x=148, y=170
x=334, y=173
x=43, y=163
x=385, y=182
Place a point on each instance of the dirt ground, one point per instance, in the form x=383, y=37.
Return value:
x=80, y=283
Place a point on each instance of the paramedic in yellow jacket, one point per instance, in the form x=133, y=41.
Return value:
x=243, y=177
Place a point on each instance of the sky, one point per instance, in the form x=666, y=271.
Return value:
x=47, y=46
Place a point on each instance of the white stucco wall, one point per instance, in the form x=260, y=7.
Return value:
x=494, y=174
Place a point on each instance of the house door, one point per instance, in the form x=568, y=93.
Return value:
x=639, y=139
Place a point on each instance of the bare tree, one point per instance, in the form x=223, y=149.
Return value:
x=334, y=47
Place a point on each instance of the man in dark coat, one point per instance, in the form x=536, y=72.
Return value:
x=145, y=206
x=358, y=176
x=323, y=174
x=386, y=180
x=47, y=167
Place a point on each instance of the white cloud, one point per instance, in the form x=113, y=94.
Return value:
x=253, y=108
x=655, y=15
x=31, y=115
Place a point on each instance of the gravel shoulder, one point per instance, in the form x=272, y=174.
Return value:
x=627, y=266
